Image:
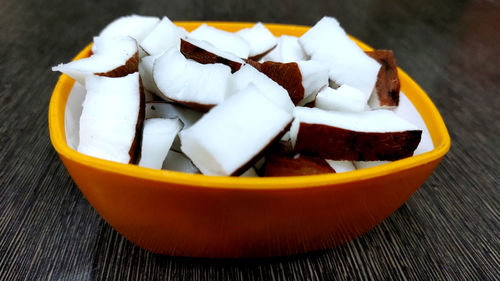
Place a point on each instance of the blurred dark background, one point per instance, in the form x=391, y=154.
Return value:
x=448, y=230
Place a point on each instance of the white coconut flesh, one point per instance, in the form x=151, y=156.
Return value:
x=327, y=42
x=170, y=110
x=177, y=161
x=250, y=173
x=261, y=40
x=110, y=116
x=287, y=50
x=335, y=60
x=157, y=138
x=314, y=77
x=286, y=137
x=290, y=49
x=148, y=96
x=259, y=164
x=344, y=98
x=368, y=135
x=72, y=114
x=135, y=26
x=205, y=53
x=191, y=83
x=272, y=90
x=368, y=164
x=163, y=37
x=212, y=49
x=406, y=110
x=109, y=54
x=341, y=166
x=146, y=72
x=226, y=139
x=223, y=40
x=187, y=116
x=273, y=55
x=374, y=102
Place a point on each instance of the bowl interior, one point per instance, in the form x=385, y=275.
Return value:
x=430, y=117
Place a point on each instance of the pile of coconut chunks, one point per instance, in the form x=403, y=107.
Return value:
x=244, y=103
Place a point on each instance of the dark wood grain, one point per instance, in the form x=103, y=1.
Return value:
x=448, y=230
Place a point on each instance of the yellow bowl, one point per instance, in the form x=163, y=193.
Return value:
x=200, y=216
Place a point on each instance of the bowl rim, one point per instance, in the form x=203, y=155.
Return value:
x=423, y=104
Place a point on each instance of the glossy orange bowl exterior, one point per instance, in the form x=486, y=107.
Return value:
x=203, y=216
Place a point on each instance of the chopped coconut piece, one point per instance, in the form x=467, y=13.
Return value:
x=290, y=49
x=261, y=40
x=177, y=161
x=111, y=120
x=367, y=121
x=250, y=173
x=272, y=90
x=135, y=26
x=369, y=164
x=286, y=137
x=359, y=136
x=282, y=166
x=141, y=52
x=232, y=135
x=344, y=98
x=148, y=96
x=196, y=85
x=300, y=86
x=314, y=77
x=327, y=42
x=187, y=116
x=282, y=148
x=226, y=41
x=72, y=115
x=386, y=91
x=341, y=166
x=146, y=72
x=273, y=55
x=259, y=164
x=112, y=56
x=286, y=75
x=170, y=110
x=407, y=111
x=287, y=50
x=157, y=137
x=203, y=52
x=163, y=37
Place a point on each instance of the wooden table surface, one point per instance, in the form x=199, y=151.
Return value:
x=448, y=230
